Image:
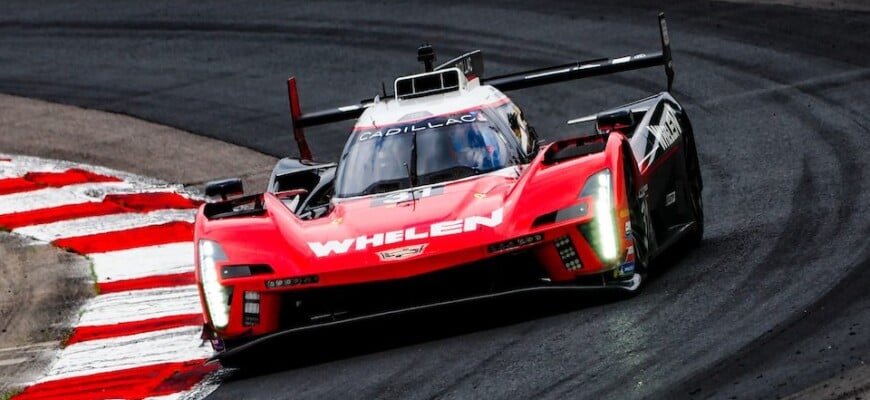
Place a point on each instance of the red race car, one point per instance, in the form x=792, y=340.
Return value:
x=444, y=194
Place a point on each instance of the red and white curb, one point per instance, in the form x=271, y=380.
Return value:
x=139, y=338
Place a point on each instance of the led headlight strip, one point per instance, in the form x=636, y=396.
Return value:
x=601, y=231
x=604, y=215
x=217, y=296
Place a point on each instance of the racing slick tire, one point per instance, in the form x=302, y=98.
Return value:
x=695, y=186
x=635, y=283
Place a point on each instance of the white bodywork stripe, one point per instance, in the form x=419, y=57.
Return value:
x=142, y=262
x=547, y=73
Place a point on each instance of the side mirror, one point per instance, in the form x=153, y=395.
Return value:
x=622, y=119
x=224, y=188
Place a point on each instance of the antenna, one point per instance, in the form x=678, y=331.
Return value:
x=411, y=185
x=426, y=55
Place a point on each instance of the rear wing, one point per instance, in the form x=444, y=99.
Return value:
x=472, y=65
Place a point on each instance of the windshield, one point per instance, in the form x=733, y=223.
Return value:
x=424, y=152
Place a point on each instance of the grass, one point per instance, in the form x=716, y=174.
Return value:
x=93, y=275
x=9, y=393
x=65, y=336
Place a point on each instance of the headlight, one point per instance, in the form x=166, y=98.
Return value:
x=217, y=296
x=599, y=187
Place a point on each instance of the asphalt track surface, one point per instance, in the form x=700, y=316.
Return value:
x=773, y=302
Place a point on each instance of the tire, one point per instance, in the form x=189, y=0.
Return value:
x=695, y=186
x=639, y=232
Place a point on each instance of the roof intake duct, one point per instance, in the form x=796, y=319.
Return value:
x=429, y=83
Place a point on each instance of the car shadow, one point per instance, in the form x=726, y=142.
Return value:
x=308, y=348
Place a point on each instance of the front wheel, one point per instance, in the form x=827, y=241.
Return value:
x=636, y=256
x=633, y=284
x=693, y=172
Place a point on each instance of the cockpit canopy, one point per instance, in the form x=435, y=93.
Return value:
x=429, y=150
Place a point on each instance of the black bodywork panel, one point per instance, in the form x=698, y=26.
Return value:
x=317, y=179
x=660, y=135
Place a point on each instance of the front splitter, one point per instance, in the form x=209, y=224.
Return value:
x=617, y=287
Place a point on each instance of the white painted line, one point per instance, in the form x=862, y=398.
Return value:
x=13, y=361
x=30, y=347
x=103, y=224
x=141, y=262
x=13, y=170
x=34, y=164
x=56, y=197
x=37, y=164
x=137, y=305
x=105, y=355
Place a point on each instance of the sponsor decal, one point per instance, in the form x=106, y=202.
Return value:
x=217, y=345
x=626, y=269
x=514, y=243
x=668, y=130
x=444, y=228
x=402, y=252
x=299, y=280
x=408, y=195
x=628, y=229
x=421, y=126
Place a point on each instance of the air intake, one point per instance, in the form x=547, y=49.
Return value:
x=430, y=83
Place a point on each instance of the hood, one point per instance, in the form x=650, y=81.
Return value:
x=400, y=225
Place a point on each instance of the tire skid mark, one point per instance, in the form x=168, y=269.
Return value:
x=798, y=239
x=341, y=33
x=795, y=232
x=324, y=29
x=472, y=369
